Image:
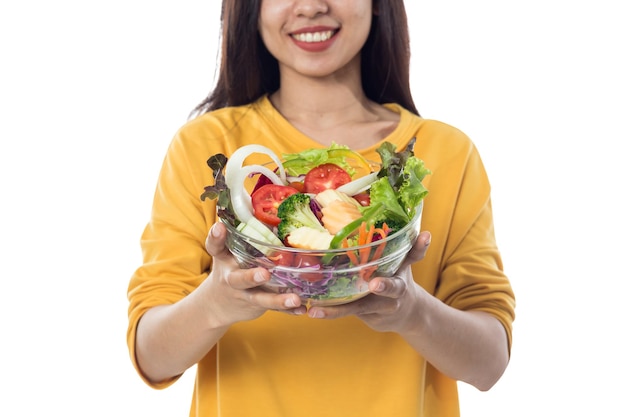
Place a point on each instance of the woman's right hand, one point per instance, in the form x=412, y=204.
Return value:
x=233, y=294
x=173, y=337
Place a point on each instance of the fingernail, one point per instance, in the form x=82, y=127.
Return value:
x=290, y=302
x=215, y=231
x=380, y=287
x=258, y=277
x=316, y=314
x=427, y=239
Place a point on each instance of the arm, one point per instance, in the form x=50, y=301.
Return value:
x=188, y=290
x=470, y=346
x=454, y=305
x=172, y=338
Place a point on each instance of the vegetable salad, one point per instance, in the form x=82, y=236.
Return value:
x=320, y=199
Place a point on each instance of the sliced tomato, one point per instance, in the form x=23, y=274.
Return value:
x=298, y=185
x=362, y=198
x=307, y=261
x=283, y=258
x=266, y=199
x=325, y=176
x=298, y=260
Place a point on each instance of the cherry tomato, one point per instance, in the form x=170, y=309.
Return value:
x=325, y=176
x=298, y=185
x=307, y=261
x=266, y=199
x=284, y=258
x=362, y=198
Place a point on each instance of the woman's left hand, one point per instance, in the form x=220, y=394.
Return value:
x=387, y=307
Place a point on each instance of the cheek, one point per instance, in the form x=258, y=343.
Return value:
x=269, y=39
x=271, y=16
x=360, y=13
x=361, y=9
x=364, y=27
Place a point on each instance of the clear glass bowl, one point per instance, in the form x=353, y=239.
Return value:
x=329, y=277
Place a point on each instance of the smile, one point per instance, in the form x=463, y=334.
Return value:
x=313, y=37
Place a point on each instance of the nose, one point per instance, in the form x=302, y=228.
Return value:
x=311, y=8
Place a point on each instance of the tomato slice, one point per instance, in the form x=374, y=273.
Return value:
x=284, y=258
x=307, y=261
x=266, y=199
x=298, y=185
x=363, y=198
x=325, y=176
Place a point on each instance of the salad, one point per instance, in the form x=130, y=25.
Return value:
x=325, y=201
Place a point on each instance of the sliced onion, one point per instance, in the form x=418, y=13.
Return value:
x=359, y=185
x=235, y=162
x=242, y=205
x=259, y=169
x=236, y=174
x=242, y=202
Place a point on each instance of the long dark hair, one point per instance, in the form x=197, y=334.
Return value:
x=248, y=71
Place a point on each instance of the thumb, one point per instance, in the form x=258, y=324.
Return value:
x=419, y=249
x=216, y=240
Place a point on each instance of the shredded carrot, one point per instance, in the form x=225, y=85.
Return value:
x=351, y=254
x=365, y=252
x=366, y=273
x=365, y=237
x=362, y=234
x=383, y=234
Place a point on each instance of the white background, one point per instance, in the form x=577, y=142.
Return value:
x=92, y=92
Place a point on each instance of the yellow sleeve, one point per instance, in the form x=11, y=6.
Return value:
x=472, y=277
x=463, y=266
x=175, y=260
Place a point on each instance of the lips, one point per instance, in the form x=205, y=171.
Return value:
x=312, y=37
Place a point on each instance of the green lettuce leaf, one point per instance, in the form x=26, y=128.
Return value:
x=302, y=162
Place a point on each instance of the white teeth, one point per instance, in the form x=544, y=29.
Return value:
x=314, y=37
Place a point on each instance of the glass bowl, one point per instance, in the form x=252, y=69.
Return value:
x=325, y=277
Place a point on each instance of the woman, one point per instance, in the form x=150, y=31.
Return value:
x=297, y=74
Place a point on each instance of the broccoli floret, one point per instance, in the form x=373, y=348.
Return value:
x=294, y=212
x=394, y=225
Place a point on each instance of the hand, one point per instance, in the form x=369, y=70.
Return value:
x=233, y=294
x=392, y=299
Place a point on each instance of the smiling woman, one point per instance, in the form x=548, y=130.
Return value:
x=300, y=75
x=538, y=85
x=305, y=38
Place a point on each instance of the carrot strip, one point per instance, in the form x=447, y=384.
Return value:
x=362, y=234
x=381, y=247
x=365, y=237
x=351, y=254
x=366, y=273
x=365, y=252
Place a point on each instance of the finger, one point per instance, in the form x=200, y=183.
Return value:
x=243, y=279
x=288, y=303
x=363, y=306
x=216, y=240
x=267, y=300
x=419, y=249
x=387, y=287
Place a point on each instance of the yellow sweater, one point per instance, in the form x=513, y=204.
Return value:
x=280, y=365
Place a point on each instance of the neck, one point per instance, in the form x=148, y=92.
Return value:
x=333, y=108
x=327, y=102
